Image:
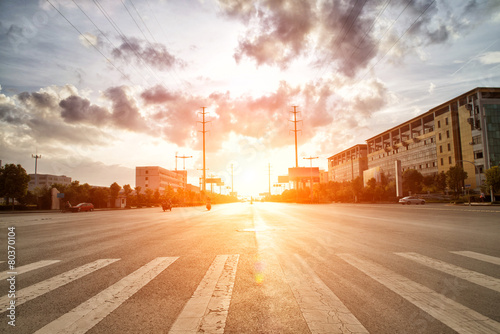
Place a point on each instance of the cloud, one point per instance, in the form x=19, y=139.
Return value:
x=489, y=58
x=345, y=35
x=88, y=40
x=152, y=54
x=76, y=109
x=125, y=113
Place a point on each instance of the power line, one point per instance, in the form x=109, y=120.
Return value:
x=102, y=33
x=146, y=38
x=409, y=28
x=90, y=43
x=125, y=39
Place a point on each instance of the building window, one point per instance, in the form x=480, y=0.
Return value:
x=147, y=172
x=440, y=149
x=449, y=147
x=442, y=162
x=446, y=120
x=478, y=155
x=147, y=178
x=432, y=140
x=447, y=133
x=146, y=185
x=476, y=140
x=439, y=124
x=449, y=160
x=440, y=137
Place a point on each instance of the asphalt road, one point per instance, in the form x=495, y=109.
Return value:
x=261, y=268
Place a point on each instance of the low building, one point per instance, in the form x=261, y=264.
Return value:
x=47, y=180
x=155, y=177
x=348, y=164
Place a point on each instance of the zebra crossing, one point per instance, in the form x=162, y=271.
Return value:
x=210, y=303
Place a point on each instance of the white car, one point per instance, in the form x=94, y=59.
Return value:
x=411, y=200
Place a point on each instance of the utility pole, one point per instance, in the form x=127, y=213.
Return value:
x=311, y=170
x=203, y=113
x=183, y=161
x=36, y=157
x=295, y=121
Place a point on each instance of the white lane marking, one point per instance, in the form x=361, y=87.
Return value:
x=465, y=274
x=479, y=256
x=208, y=307
x=55, y=282
x=85, y=316
x=456, y=316
x=321, y=308
x=29, y=267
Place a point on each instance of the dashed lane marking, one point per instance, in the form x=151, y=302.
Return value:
x=85, y=316
x=450, y=269
x=456, y=316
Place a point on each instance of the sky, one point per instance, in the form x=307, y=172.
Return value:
x=98, y=87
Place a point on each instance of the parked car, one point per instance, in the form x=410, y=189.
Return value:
x=411, y=200
x=83, y=207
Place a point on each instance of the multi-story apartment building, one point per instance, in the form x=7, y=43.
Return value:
x=46, y=180
x=348, y=164
x=463, y=131
x=155, y=177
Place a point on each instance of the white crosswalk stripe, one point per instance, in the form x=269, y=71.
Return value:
x=321, y=308
x=207, y=310
x=55, y=282
x=26, y=268
x=456, y=316
x=88, y=314
x=479, y=256
x=450, y=269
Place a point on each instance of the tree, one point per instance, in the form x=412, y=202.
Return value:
x=440, y=181
x=493, y=178
x=455, y=177
x=127, y=190
x=114, y=190
x=13, y=182
x=412, y=181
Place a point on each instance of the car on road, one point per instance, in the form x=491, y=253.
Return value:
x=83, y=207
x=411, y=200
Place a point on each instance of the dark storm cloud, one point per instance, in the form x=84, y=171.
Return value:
x=76, y=109
x=153, y=54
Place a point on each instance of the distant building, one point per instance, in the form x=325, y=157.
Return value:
x=348, y=164
x=155, y=177
x=47, y=180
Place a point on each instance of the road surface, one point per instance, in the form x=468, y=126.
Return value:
x=261, y=268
